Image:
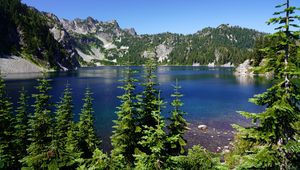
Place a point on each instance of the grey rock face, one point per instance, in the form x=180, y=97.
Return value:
x=80, y=26
x=162, y=52
x=149, y=54
x=92, y=26
x=63, y=37
x=245, y=68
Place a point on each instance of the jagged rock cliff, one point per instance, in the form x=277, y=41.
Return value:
x=94, y=40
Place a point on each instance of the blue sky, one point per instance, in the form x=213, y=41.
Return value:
x=156, y=16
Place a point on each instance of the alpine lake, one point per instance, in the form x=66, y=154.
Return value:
x=212, y=97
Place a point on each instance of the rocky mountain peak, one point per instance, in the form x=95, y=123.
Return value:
x=91, y=20
x=91, y=26
x=131, y=31
x=51, y=16
x=223, y=26
x=114, y=22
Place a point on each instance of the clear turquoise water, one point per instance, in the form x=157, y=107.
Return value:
x=209, y=93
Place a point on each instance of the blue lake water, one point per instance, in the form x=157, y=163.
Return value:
x=209, y=93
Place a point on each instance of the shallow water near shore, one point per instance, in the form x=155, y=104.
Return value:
x=212, y=95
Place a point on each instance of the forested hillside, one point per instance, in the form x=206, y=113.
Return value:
x=224, y=44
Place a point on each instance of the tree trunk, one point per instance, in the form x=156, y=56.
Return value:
x=284, y=163
x=286, y=79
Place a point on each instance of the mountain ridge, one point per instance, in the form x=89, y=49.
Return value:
x=89, y=42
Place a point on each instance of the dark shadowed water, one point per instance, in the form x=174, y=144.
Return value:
x=210, y=94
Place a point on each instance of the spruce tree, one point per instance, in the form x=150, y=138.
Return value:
x=154, y=138
x=146, y=103
x=63, y=141
x=87, y=138
x=271, y=142
x=20, y=128
x=64, y=116
x=177, y=126
x=6, y=129
x=149, y=95
x=40, y=151
x=124, y=136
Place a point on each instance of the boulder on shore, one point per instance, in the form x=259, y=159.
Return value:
x=245, y=68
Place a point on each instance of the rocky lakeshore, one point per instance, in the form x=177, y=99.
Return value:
x=244, y=69
x=215, y=135
x=216, y=138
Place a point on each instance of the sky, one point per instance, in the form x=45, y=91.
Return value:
x=177, y=16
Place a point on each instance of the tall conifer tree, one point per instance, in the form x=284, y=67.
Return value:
x=149, y=95
x=87, y=138
x=40, y=151
x=73, y=153
x=6, y=129
x=272, y=142
x=64, y=115
x=177, y=126
x=64, y=142
x=154, y=139
x=124, y=136
x=20, y=128
x=146, y=103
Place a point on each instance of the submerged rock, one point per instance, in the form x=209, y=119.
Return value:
x=187, y=128
x=202, y=127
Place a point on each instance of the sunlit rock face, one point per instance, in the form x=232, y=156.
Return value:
x=162, y=52
x=245, y=68
x=95, y=40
